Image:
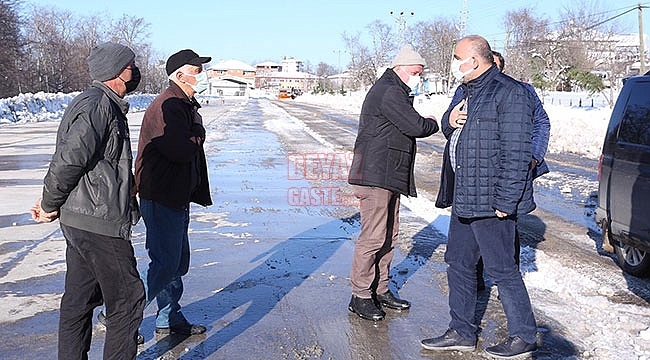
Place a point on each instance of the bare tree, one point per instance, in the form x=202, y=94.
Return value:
x=324, y=69
x=53, y=59
x=526, y=40
x=366, y=62
x=435, y=41
x=10, y=43
x=358, y=55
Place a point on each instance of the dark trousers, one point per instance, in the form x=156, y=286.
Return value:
x=99, y=269
x=493, y=239
x=373, y=252
x=479, y=266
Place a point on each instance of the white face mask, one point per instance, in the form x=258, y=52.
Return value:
x=202, y=82
x=413, y=82
x=455, y=69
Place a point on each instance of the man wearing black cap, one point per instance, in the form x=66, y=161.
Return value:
x=171, y=172
x=89, y=187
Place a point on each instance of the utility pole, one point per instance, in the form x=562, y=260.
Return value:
x=462, y=26
x=400, y=19
x=339, y=52
x=642, y=56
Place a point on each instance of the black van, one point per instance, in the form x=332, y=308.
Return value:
x=623, y=211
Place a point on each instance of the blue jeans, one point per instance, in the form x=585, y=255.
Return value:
x=493, y=239
x=169, y=253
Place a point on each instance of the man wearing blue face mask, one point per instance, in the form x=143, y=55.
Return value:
x=171, y=172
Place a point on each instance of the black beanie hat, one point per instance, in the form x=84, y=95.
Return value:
x=107, y=60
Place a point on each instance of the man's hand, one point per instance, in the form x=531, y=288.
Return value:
x=39, y=215
x=500, y=214
x=458, y=115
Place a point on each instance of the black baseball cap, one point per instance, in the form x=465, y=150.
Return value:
x=185, y=57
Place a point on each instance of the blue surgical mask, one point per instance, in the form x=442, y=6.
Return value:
x=202, y=82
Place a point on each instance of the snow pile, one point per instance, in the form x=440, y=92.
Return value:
x=575, y=129
x=48, y=107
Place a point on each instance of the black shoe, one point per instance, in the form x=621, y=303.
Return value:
x=366, y=309
x=101, y=318
x=184, y=328
x=389, y=300
x=512, y=348
x=450, y=340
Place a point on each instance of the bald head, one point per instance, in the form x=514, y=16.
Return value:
x=478, y=49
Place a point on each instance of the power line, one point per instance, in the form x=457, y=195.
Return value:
x=614, y=17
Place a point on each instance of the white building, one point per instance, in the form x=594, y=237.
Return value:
x=231, y=78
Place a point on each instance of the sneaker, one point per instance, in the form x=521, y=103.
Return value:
x=450, y=340
x=184, y=328
x=101, y=318
x=366, y=309
x=512, y=348
x=389, y=300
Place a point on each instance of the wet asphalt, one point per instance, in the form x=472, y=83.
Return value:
x=269, y=274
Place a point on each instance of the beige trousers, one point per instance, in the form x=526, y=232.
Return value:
x=373, y=252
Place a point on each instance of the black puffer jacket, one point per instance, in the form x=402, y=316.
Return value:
x=89, y=179
x=493, y=153
x=384, y=152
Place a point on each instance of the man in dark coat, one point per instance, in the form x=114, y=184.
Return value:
x=541, y=134
x=171, y=172
x=382, y=170
x=90, y=185
x=490, y=156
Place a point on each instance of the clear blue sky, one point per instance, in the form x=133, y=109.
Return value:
x=254, y=31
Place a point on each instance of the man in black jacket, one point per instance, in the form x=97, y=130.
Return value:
x=382, y=170
x=490, y=156
x=171, y=172
x=89, y=184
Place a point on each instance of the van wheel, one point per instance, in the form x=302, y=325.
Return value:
x=632, y=260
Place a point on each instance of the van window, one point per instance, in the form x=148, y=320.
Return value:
x=635, y=125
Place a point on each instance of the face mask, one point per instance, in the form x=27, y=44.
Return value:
x=455, y=69
x=132, y=84
x=413, y=82
x=202, y=82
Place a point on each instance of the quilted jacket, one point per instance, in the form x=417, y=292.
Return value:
x=494, y=150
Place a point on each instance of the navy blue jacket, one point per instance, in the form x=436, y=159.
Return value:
x=541, y=127
x=494, y=150
x=384, y=151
